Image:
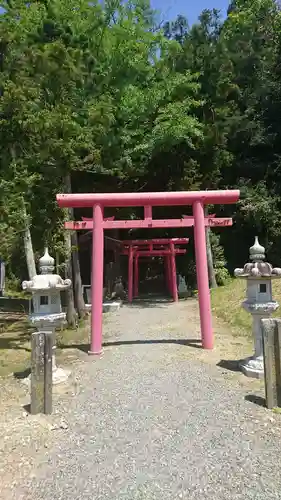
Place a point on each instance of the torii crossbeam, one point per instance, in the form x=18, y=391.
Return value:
x=197, y=199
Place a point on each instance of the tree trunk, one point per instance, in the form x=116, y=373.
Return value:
x=27, y=240
x=70, y=309
x=77, y=282
x=78, y=291
x=28, y=247
x=115, y=233
x=210, y=261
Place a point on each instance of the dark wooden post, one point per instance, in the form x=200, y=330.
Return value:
x=41, y=372
x=271, y=329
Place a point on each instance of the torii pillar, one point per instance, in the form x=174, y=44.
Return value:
x=97, y=278
x=202, y=274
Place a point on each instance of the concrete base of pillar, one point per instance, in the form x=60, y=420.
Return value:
x=111, y=306
x=252, y=367
x=107, y=307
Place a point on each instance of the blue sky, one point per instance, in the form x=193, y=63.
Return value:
x=189, y=8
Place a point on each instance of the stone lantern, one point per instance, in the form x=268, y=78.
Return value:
x=182, y=288
x=259, y=303
x=47, y=311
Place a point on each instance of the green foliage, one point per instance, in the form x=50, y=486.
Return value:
x=221, y=272
x=98, y=92
x=81, y=89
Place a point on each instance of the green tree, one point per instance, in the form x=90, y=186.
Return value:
x=83, y=90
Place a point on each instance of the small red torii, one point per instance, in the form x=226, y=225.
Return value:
x=165, y=247
x=197, y=199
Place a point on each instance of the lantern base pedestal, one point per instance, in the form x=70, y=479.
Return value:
x=60, y=375
x=106, y=307
x=252, y=367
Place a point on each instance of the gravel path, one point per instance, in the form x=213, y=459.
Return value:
x=150, y=420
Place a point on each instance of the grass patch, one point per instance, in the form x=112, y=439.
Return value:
x=15, y=346
x=226, y=305
x=75, y=338
x=14, y=343
x=277, y=410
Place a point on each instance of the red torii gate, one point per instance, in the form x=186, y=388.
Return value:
x=165, y=247
x=197, y=199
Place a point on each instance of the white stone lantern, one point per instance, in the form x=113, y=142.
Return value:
x=47, y=311
x=259, y=303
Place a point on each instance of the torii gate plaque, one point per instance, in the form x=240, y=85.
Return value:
x=198, y=199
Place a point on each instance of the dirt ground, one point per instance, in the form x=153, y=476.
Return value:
x=22, y=436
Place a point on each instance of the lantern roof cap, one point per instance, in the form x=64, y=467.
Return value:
x=257, y=251
x=257, y=268
x=46, y=263
x=46, y=280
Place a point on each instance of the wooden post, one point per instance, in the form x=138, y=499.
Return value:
x=37, y=372
x=48, y=372
x=41, y=372
x=271, y=333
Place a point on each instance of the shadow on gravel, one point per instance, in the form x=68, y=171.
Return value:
x=185, y=342
x=27, y=408
x=228, y=364
x=147, y=305
x=22, y=374
x=257, y=400
x=149, y=302
x=196, y=343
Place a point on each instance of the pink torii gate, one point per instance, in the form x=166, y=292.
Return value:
x=165, y=247
x=197, y=199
